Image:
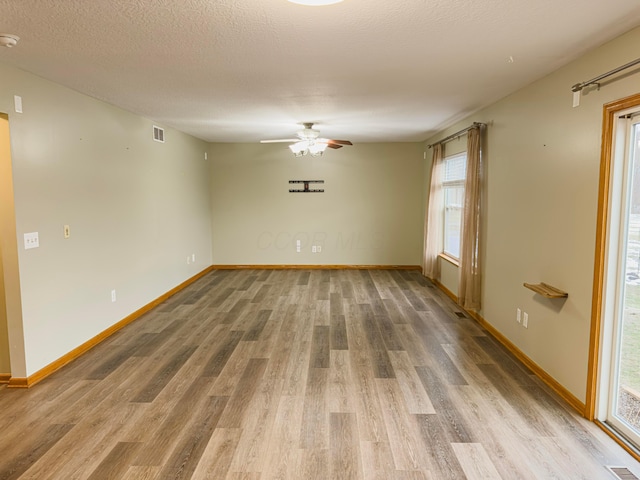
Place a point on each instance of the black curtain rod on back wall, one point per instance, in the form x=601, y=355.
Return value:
x=459, y=134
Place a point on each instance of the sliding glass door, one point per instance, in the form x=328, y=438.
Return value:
x=623, y=411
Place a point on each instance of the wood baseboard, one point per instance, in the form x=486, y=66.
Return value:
x=18, y=382
x=447, y=292
x=317, y=267
x=40, y=375
x=5, y=377
x=548, y=380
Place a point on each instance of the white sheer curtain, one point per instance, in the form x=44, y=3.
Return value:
x=470, y=272
x=433, y=220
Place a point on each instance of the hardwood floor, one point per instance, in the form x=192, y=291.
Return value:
x=289, y=374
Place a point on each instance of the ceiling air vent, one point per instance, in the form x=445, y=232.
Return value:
x=158, y=134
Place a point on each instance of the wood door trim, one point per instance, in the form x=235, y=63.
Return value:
x=608, y=120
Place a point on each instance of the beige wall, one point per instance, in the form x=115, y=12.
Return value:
x=136, y=208
x=370, y=213
x=541, y=187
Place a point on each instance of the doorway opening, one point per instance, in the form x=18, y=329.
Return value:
x=6, y=216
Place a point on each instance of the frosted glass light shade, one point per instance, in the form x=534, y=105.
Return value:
x=317, y=149
x=299, y=149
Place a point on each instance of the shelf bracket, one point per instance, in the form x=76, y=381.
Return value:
x=306, y=186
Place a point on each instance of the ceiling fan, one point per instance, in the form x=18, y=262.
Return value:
x=309, y=142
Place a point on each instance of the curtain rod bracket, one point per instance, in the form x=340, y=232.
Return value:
x=453, y=136
x=596, y=80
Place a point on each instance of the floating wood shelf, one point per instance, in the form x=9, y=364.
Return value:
x=546, y=290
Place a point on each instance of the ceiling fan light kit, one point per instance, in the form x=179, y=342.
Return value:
x=308, y=147
x=308, y=142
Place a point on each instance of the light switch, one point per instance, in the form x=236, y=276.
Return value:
x=17, y=103
x=31, y=240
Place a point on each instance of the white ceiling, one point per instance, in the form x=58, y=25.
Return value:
x=363, y=70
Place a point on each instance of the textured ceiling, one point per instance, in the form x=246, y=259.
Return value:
x=364, y=70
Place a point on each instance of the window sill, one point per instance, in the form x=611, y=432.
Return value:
x=450, y=259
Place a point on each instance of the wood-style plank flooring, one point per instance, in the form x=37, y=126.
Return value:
x=294, y=374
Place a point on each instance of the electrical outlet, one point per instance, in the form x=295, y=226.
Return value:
x=113, y=295
x=314, y=249
x=67, y=231
x=298, y=248
x=525, y=320
x=188, y=259
x=518, y=315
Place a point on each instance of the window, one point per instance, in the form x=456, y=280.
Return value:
x=454, y=172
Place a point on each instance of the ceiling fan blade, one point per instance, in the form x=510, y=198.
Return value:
x=308, y=137
x=281, y=140
x=340, y=142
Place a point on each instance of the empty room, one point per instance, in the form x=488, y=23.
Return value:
x=319, y=239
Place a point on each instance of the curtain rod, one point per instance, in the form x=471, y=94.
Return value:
x=579, y=86
x=458, y=134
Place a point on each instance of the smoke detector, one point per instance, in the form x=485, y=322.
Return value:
x=8, y=40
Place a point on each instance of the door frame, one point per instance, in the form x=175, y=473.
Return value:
x=610, y=113
x=10, y=266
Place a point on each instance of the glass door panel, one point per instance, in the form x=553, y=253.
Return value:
x=624, y=404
